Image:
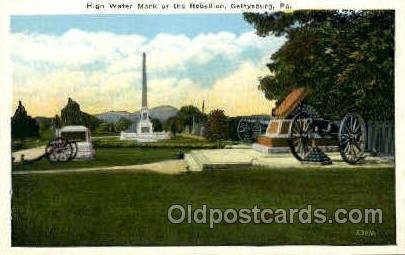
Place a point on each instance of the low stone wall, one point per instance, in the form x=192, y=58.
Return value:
x=145, y=137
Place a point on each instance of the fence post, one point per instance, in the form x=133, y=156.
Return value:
x=369, y=135
x=391, y=138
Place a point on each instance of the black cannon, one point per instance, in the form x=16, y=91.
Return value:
x=60, y=150
x=349, y=134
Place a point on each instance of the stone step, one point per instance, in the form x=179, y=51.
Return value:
x=192, y=163
x=199, y=157
x=197, y=161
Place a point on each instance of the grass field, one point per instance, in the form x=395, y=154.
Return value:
x=130, y=208
x=110, y=151
x=180, y=141
x=107, y=157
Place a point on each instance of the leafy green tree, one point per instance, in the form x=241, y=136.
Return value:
x=157, y=125
x=173, y=125
x=45, y=129
x=90, y=121
x=345, y=57
x=217, y=125
x=44, y=126
x=189, y=113
x=105, y=128
x=57, y=122
x=22, y=125
x=72, y=115
x=122, y=124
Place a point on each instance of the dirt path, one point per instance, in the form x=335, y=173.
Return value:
x=29, y=154
x=166, y=167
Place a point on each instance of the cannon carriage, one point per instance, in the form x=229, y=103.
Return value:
x=298, y=128
x=70, y=143
x=60, y=150
x=349, y=134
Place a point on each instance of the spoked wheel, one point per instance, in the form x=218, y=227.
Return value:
x=74, y=150
x=352, y=138
x=249, y=129
x=256, y=129
x=308, y=109
x=300, y=135
x=244, y=132
x=59, y=150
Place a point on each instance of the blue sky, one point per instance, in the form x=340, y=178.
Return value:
x=96, y=59
x=147, y=25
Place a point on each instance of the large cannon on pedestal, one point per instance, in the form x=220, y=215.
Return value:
x=299, y=128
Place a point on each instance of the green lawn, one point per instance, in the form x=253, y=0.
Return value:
x=110, y=151
x=32, y=142
x=107, y=157
x=180, y=141
x=130, y=208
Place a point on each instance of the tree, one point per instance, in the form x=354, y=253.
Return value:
x=157, y=125
x=173, y=125
x=57, y=122
x=72, y=115
x=122, y=124
x=105, y=128
x=189, y=114
x=345, y=57
x=22, y=125
x=44, y=126
x=90, y=121
x=217, y=125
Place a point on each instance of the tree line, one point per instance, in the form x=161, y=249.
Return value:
x=216, y=123
x=345, y=57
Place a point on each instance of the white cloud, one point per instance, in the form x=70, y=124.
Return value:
x=237, y=93
x=102, y=70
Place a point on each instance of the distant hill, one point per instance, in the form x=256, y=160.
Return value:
x=160, y=112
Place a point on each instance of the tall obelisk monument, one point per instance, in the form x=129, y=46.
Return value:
x=144, y=124
x=144, y=129
x=144, y=83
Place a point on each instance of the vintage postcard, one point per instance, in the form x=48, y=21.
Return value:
x=212, y=127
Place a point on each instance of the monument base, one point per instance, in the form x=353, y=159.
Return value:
x=270, y=150
x=272, y=145
x=277, y=145
x=144, y=137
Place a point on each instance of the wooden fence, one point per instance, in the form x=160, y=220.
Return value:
x=381, y=138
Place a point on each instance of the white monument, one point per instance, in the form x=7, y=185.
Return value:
x=81, y=135
x=144, y=130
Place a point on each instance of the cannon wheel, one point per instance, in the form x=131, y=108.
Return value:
x=74, y=150
x=59, y=150
x=300, y=136
x=352, y=138
x=243, y=130
x=256, y=129
x=249, y=129
x=308, y=109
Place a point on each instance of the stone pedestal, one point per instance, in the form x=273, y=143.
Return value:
x=275, y=139
x=144, y=125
